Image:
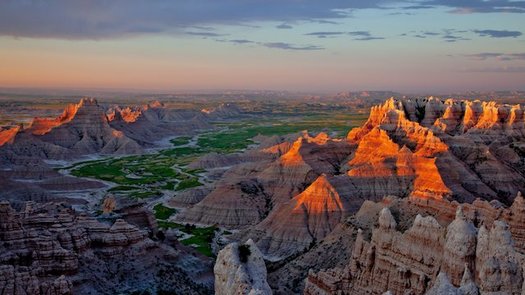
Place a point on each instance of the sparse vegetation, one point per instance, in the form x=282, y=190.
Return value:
x=244, y=253
x=182, y=140
x=188, y=183
x=200, y=237
x=162, y=212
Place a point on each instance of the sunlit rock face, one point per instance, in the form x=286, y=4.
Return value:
x=458, y=149
x=8, y=134
x=41, y=126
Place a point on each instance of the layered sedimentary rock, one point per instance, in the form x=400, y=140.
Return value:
x=50, y=249
x=83, y=128
x=458, y=159
x=235, y=274
x=189, y=197
x=308, y=217
x=152, y=122
x=87, y=128
x=432, y=151
x=427, y=258
x=256, y=188
x=246, y=202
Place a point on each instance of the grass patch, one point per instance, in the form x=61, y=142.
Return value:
x=188, y=183
x=121, y=188
x=182, y=140
x=182, y=151
x=144, y=194
x=162, y=212
x=201, y=237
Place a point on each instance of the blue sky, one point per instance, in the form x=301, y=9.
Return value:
x=326, y=46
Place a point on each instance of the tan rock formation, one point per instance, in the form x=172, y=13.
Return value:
x=427, y=259
x=235, y=276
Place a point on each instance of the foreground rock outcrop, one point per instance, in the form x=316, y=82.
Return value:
x=240, y=270
x=458, y=259
x=50, y=249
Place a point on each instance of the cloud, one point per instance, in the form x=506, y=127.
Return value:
x=101, y=19
x=359, y=33
x=324, y=34
x=498, y=56
x=205, y=34
x=480, y=6
x=288, y=46
x=401, y=13
x=498, y=33
x=240, y=41
x=284, y=26
x=324, y=21
x=369, y=38
x=364, y=36
x=418, y=7
x=453, y=38
x=505, y=69
x=447, y=35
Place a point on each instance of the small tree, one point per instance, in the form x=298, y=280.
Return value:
x=244, y=253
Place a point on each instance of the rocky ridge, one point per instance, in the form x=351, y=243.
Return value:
x=50, y=249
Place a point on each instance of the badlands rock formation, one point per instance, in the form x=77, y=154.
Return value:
x=81, y=129
x=50, y=249
x=87, y=128
x=306, y=218
x=449, y=142
x=429, y=150
x=266, y=180
x=459, y=258
x=150, y=123
x=234, y=276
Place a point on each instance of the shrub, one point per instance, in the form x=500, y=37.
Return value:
x=161, y=236
x=244, y=253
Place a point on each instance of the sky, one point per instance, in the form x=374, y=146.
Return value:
x=310, y=46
